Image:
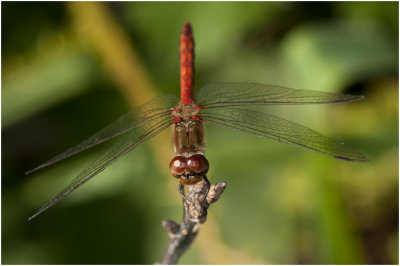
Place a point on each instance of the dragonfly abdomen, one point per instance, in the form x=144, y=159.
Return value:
x=186, y=54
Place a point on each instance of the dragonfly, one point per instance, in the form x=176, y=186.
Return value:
x=221, y=104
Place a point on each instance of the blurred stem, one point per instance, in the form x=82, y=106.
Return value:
x=95, y=23
x=342, y=245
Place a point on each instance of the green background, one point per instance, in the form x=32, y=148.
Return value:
x=282, y=205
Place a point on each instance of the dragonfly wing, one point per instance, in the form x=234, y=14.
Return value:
x=223, y=94
x=128, y=142
x=285, y=131
x=157, y=108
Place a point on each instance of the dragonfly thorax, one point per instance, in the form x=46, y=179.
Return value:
x=186, y=113
x=187, y=130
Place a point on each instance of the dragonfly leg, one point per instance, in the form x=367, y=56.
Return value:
x=187, y=200
x=182, y=192
x=208, y=185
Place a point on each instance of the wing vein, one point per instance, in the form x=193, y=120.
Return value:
x=281, y=130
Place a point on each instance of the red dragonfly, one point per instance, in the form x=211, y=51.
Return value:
x=216, y=103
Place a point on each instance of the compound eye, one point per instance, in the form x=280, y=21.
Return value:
x=198, y=163
x=177, y=165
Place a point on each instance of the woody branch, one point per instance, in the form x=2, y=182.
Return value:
x=194, y=213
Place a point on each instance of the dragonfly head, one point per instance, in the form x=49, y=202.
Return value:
x=189, y=170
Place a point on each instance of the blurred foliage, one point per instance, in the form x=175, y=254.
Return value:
x=282, y=205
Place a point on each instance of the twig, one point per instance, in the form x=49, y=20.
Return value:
x=194, y=213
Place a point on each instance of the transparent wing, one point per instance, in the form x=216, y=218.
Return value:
x=128, y=142
x=156, y=108
x=216, y=95
x=275, y=128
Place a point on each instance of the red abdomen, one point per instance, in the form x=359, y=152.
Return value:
x=186, y=54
